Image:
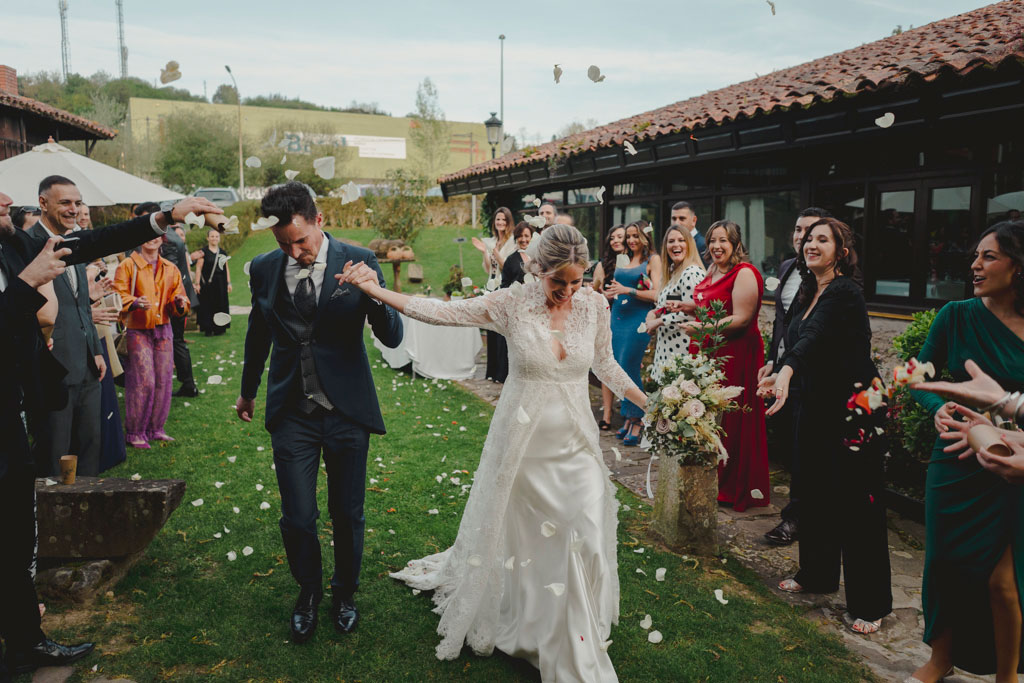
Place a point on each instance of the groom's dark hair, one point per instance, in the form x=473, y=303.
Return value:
x=288, y=200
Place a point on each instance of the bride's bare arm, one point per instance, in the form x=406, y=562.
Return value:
x=605, y=367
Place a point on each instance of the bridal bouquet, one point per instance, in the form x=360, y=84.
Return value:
x=684, y=413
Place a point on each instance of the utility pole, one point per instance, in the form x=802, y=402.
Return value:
x=121, y=47
x=501, y=103
x=65, y=59
x=241, y=167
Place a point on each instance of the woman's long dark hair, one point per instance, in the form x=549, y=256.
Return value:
x=1010, y=238
x=845, y=265
x=608, y=259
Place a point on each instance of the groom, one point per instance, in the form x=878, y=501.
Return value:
x=320, y=393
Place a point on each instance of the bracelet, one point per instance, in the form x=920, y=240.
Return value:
x=998, y=404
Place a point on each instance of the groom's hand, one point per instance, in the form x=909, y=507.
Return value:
x=359, y=274
x=245, y=407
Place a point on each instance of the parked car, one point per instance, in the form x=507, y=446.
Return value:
x=221, y=196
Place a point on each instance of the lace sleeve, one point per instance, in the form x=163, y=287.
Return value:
x=482, y=311
x=605, y=367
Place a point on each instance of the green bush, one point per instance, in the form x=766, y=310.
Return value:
x=402, y=212
x=247, y=211
x=911, y=431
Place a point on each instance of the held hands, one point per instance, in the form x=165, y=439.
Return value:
x=361, y=275
x=980, y=390
x=1011, y=467
x=46, y=266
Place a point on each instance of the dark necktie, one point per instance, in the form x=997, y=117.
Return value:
x=305, y=298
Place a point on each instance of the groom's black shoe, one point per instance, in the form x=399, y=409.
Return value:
x=344, y=613
x=304, y=617
x=46, y=653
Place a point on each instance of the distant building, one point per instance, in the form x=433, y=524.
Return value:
x=374, y=144
x=25, y=123
x=915, y=140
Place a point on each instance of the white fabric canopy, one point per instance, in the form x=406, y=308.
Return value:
x=435, y=352
x=100, y=185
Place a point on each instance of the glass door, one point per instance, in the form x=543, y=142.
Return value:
x=920, y=241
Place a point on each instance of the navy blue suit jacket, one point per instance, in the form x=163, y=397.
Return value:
x=338, y=347
x=702, y=247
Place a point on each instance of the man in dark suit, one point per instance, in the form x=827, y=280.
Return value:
x=320, y=393
x=782, y=443
x=31, y=380
x=684, y=216
x=174, y=250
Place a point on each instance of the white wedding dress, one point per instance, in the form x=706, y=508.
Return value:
x=533, y=570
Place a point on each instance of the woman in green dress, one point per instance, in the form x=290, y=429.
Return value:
x=975, y=520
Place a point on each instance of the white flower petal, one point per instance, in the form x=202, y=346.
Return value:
x=720, y=596
x=302, y=274
x=197, y=502
x=630, y=149
x=646, y=622
x=639, y=551
x=618, y=455
x=526, y=562
x=659, y=574
x=214, y=379
x=247, y=550
x=522, y=416
x=467, y=282
x=771, y=284
x=236, y=510
x=577, y=545
x=622, y=261
x=885, y=120
x=510, y=562
x=218, y=484
x=654, y=637
x=641, y=571
x=536, y=221
x=290, y=174
x=416, y=591
x=259, y=487
x=136, y=477
x=232, y=458
x=548, y=529
x=594, y=73
x=349, y=192
x=264, y=505
x=605, y=645
x=433, y=511
x=232, y=556
x=217, y=535
x=756, y=494
x=253, y=162
x=324, y=167
x=264, y=222
x=259, y=449
x=642, y=329
x=556, y=588
x=474, y=561
x=192, y=219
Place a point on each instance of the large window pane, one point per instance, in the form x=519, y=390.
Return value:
x=584, y=195
x=949, y=240
x=624, y=214
x=766, y=222
x=893, y=252
x=635, y=189
x=585, y=218
x=846, y=203
x=1007, y=200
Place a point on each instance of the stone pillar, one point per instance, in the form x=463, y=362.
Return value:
x=686, y=507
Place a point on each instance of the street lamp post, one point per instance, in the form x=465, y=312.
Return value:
x=493, y=126
x=241, y=163
x=501, y=101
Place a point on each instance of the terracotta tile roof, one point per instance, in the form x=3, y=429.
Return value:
x=983, y=37
x=36, y=107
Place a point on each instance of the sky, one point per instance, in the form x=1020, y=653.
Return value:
x=332, y=52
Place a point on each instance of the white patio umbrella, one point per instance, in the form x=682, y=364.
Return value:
x=100, y=185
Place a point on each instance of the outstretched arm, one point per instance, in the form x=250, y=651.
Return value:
x=605, y=367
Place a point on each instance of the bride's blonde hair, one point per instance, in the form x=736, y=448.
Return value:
x=557, y=247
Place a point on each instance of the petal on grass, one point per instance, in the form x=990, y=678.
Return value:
x=646, y=622
x=720, y=596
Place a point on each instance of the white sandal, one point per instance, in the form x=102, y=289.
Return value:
x=866, y=628
x=790, y=586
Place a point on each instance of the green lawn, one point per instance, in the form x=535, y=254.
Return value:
x=435, y=250
x=186, y=612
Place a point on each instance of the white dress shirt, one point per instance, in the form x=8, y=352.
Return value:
x=70, y=271
x=291, y=270
x=789, y=291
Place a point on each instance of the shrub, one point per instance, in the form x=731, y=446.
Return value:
x=402, y=211
x=247, y=211
x=911, y=431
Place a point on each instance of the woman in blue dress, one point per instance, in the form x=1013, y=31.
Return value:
x=635, y=289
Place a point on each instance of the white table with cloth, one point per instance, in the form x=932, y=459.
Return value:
x=436, y=352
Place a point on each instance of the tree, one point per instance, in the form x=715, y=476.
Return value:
x=430, y=133
x=574, y=127
x=225, y=94
x=198, y=150
x=400, y=211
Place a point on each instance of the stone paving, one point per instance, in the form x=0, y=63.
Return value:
x=892, y=654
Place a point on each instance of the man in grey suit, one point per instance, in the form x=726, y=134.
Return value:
x=75, y=344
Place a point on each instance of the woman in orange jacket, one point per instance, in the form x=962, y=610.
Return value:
x=151, y=293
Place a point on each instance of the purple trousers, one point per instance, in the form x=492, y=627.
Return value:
x=147, y=382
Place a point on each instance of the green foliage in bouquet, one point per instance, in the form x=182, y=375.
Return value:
x=683, y=415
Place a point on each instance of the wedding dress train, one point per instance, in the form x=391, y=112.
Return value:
x=533, y=570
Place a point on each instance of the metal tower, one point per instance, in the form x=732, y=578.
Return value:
x=122, y=48
x=65, y=60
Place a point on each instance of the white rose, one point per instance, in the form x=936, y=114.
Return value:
x=671, y=393
x=693, y=408
x=690, y=387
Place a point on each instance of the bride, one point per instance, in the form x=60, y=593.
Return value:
x=533, y=570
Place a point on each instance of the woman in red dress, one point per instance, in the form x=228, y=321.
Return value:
x=743, y=478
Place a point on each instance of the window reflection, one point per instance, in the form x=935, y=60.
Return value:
x=949, y=236
x=766, y=220
x=584, y=195
x=894, y=254
x=624, y=214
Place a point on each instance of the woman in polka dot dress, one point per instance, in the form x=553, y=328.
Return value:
x=682, y=271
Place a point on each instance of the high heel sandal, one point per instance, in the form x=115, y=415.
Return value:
x=604, y=425
x=621, y=434
x=631, y=439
